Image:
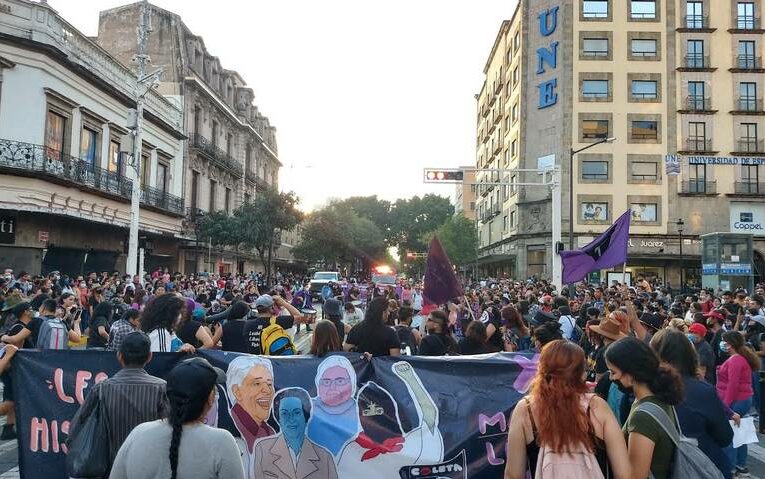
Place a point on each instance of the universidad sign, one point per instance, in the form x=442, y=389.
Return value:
x=713, y=160
x=438, y=418
x=548, y=23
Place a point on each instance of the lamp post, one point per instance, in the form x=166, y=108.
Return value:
x=680, y=224
x=571, y=213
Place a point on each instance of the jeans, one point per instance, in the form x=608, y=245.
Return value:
x=737, y=456
x=756, y=389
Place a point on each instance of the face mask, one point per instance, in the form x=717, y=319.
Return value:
x=692, y=338
x=724, y=347
x=622, y=387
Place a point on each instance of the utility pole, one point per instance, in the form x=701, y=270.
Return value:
x=144, y=83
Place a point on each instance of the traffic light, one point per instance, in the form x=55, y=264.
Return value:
x=444, y=176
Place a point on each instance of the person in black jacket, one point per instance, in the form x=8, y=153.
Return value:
x=439, y=341
x=475, y=339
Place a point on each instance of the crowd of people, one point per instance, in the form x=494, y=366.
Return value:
x=612, y=358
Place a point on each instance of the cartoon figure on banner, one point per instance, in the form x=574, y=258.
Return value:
x=334, y=419
x=291, y=454
x=382, y=448
x=250, y=388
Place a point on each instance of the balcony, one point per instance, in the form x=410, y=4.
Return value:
x=37, y=161
x=696, y=62
x=697, y=104
x=748, y=105
x=747, y=63
x=217, y=156
x=751, y=188
x=261, y=184
x=697, y=145
x=746, y=146
x=746, y=24
x=250, y=177
x=695, y=22
x=698, y=187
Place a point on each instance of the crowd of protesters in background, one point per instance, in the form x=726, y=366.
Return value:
x=696, y=356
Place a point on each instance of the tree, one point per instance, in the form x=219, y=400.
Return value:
x=411, y=219
x=459, y=238
x=371, y=208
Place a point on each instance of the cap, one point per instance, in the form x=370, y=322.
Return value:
x=135, y=344
x=716, y=315
x=700, y=329
x=193, y=377
x=332, y=307
x=264, y=301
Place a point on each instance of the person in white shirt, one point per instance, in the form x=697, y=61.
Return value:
x=567, y=322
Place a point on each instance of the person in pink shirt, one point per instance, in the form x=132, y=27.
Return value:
x=734, y=386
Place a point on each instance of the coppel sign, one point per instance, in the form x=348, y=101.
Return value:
x=547, y=56
x=747, y=218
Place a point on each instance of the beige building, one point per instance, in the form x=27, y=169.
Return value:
x=465, y=194
x=662, y=77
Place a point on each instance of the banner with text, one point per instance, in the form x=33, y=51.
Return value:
x=407, y=417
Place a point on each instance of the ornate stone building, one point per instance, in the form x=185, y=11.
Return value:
x=231, y=149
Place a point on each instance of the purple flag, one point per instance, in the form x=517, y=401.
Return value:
x=606, y=251
x=441, y=282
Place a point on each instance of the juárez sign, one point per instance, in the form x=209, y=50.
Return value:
x=548, y=23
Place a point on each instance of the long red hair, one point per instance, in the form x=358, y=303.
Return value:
x=556, y=393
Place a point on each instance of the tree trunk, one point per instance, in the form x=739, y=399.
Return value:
x=268, y=265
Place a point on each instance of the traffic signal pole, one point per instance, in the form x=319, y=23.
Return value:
x=550, y=178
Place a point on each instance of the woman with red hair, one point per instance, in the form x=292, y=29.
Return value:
x=559, y=416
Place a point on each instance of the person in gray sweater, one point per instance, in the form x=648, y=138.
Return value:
x=169, y=448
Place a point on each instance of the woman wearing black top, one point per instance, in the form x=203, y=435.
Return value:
x=475, y=339
x=439, y=341
x=372, y=335
x=194, y=333
x=233, y=329
x=100, y=325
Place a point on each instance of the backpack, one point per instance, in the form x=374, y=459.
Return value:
x=406, y=338
x=274, y=341
x=688, y=461
x=567, y=465
x=576, y=331
x=53, y=335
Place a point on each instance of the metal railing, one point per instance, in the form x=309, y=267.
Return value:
x=39, y=161
x=749, y=188
x=697, y=61
x=594, y=94
x=595, y=53
x=696, y=21
x=700, y=186
x=698, y=144
x=746, y=22
x=216, y=155
x=748, y=62
x=749, y=103
x=698, y=103
x=750, y=145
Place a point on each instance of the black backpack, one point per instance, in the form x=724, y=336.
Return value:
x=406, y=338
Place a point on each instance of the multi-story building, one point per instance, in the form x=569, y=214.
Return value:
x=66, y=152
x=231, y=149
x=660, y=77
x=464, y=194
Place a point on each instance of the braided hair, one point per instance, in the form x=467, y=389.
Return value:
x=183, y=409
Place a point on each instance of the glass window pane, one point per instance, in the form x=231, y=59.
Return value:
x=595, y=8
x=645, y=130
x=88, y=140
x=596, y=46
x=54, y=134
x=595, y=170
x=645, y=170
x=114, y=157
x=645, y=212
x=592, y=211
x=643, y=9
x=595, y=129
x=644, y=89
x=643, y=48
x=595, y=88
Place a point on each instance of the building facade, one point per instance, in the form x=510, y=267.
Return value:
x=231, y=149
x=465, y=194
x=66, y=152
x=661, y=77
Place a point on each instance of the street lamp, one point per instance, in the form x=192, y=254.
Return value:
x=571, y=195
x=680, y=224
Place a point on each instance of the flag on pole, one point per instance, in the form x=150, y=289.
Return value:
x=606, y=251
x=441, y=283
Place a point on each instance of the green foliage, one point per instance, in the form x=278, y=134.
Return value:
x=459, y=238
x=411, y=219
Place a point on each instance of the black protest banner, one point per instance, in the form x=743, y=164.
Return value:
x=408, y=417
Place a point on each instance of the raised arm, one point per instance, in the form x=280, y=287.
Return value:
x=426, y=408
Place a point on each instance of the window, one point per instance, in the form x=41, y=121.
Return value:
x=697, y=178
x=513, y=184
x=643, y=9
x=595, y=88
x=594, y=129
x=697, y=137
x=745, y=16
x=89, y=146
x=514, y=113
x=504, y=223
x=195, y=190
x=512, y=219
x=595, y=47
x=644, y=212
x=247, y=159
x=229, y=143
x=643, y=47
x=517, y=41
x=644, y=89
x=509, y=56
x=749, y=142
x=213, y=187
x=516, y=76
x=593, y=211
x=162, y=177
x=645, y=171
x=695, y=58
x=645, y=130
x=696, y=95
x=694, y=15
x=197, y=120
x=746, y=58
x=536, y=260
x=747, y=100
x=750, y=176
x=595, y=8
x=514, y=148
x=227, y=200
x=145, y=167
x=55, y=131
x=115, y=159
x=594, y=170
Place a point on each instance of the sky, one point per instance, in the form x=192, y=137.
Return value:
x=364, y=94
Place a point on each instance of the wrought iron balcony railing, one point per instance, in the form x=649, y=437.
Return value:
x=39, y=161
x=748, y=62
x=746, y=22
x=696, y=22
x=697, y=61
x=698, y=103
x=749, y=103
x=750, y=145
x=698, y=144
x=700, y=186
x=749, y=188
x=216, y=155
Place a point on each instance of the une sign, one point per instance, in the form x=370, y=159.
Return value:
x=548, y=23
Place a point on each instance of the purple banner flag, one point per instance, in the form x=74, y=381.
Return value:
x=606, y=251
x=441, y=282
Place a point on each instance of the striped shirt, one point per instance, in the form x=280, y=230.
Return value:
x=119, y=330
x=130, y=397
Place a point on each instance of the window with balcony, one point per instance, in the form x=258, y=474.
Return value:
x=194, y=190
x=745, y=16
x=645, y=130
x=514, y=148
x=55, y=135
x=697, y=136
x=644, y=89
x=750, y=181
x=644, y=171
x=694, y=15
x=746, y=58
x=145, y=167
x=643, y=9
x=695, y=54
x=595, y=47
x=643, y=47
x=697, y=179
x=594, y=129
x=89, y=146
x=747, y=100
x=697, y=100
x=213, y=193
x=595, y=8
x=594, y=89
x=594, y=170
x=115, y=159
x=162, y=177
x=749, y=141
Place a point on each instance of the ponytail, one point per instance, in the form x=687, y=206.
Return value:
x=736, y=341
x=182, y=410
x=751, y=358
x=667, y=385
